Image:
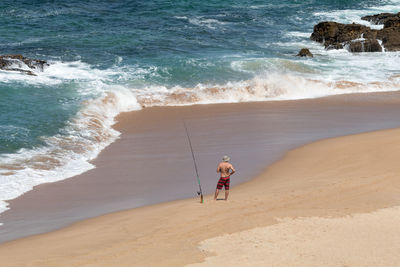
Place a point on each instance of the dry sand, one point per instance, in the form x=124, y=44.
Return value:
x=368, y=239
x=322, y=183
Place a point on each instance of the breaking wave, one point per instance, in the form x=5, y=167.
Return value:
x=111, y=91
x=273, y=87
x=354, y=15
x=67, y=154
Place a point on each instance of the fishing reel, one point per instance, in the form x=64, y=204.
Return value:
x=199, y=193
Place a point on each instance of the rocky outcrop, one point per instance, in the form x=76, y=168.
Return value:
x=381, y=18
x=390, y=38
x=393, y=22
x=337, y=35
x=369, y=45
x=304, y=52
x=390, y=34
x=360, y=38
x=334, y=35
x=21, y=64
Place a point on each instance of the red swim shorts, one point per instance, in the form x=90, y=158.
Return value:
x=224, y=181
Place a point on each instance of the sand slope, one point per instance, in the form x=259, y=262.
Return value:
x=369, y=239
x=334, y=178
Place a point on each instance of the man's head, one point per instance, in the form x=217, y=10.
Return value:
x=226, y=159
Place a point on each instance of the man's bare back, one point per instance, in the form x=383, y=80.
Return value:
x=224, y=168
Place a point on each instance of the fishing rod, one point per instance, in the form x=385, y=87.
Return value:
x=195, y=165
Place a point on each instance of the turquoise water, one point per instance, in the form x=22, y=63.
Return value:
x=112, y=56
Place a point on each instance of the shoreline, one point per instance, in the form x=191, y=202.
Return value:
x=312, y=181
x=260, y=134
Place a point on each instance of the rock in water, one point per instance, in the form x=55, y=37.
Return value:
x=390, y=38
x=335, y=35
x=392, y=22
x=21, y=64
x=381, y=18
x=369, y=45
x=360, y=38
x=304, y=52
x=390, y=34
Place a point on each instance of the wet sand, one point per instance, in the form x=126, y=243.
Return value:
x=151, y=162
x=333, y=193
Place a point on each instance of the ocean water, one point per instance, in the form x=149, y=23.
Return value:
x=107, y=57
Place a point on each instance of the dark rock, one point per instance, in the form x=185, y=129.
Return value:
x=28, y=72
x=392, y=22
x=336, y=35
x=372, y=34
x=333, y=34
x=19, y=63
x=304, y=52
x=368, y=45
x=380, y=18
x=326, y=31
x=390, y=38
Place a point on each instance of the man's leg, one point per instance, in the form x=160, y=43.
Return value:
x=227, y=184
x=216, y=194
x=226, y=194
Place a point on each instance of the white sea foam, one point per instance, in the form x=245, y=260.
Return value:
x=354, y=15
x=55, y=73
x=59, y=72
x=202, y=21
x=261, y=88
x=298, y=34
x=31, y=14
x=67, y=154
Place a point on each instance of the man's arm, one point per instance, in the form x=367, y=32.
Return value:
x=219, y=168
x=232, y=170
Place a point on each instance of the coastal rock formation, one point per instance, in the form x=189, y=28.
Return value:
x=393, y=22
x=337, y=35
x=390, y=38
x=334, y=35
x=304, y=52
x=369, y=45
x=21, y=64
x=381, y=18
x=360, y=38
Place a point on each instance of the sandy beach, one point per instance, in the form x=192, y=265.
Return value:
x=151, y=162
x=310, y=208
x=115, y=114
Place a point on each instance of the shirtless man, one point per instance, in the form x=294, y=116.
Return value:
x=226, y=169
